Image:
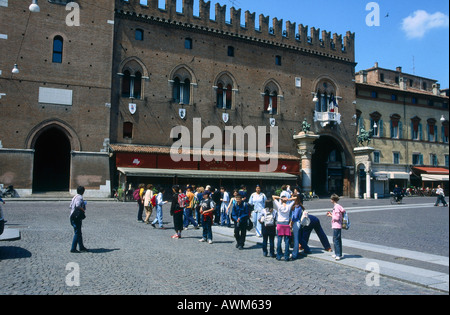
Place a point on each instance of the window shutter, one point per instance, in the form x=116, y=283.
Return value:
x=274, y=103
x=400, y=130
x=266, y=101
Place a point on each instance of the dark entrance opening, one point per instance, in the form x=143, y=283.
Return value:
x=327, y=165
x=51, y=170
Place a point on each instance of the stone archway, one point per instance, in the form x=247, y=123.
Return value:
x=51, y=166
x=52, y=142
x=328, y=164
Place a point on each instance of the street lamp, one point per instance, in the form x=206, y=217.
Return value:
x=15, y=70
x=442, y=118
x=34, y=7
x=315, y=99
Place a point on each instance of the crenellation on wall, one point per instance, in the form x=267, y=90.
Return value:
x=205, y=11
x=220, y=15
x=303, y=34
x=290, y=30
x=337, y=47
x=337, y=42
x=277, y=28
x=263, y=25
x=250, y=22
x=235, y=20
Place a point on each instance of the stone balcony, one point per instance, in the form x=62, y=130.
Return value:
x=326, y=118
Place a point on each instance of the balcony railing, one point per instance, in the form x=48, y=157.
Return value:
x=326, y=118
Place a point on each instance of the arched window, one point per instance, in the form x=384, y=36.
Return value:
x=132, y=84
x=270, y=101
x=416, y=128
x=432, y=130
x=444, y=131
x=396, y=127
x=224, y=96
x=325, y=97
x=57, y=49
x=181, y=91
x=376, y=124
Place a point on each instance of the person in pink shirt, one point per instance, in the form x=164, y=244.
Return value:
x=336, y=225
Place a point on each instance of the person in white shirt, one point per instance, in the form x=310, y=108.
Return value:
x=284, y=208
x=159, y=212
x=440, y=197
x=225, y=199
x=258, y=201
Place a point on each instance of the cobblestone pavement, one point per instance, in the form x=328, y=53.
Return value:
x=128, y=257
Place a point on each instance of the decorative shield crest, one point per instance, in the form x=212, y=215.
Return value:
x=182, y=113
x=272, y=122
x=132, y=108
x=225, y=117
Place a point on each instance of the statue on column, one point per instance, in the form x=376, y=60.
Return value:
x=305, y=126
x=364, y=136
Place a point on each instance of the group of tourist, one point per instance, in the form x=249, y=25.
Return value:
x=279, y=216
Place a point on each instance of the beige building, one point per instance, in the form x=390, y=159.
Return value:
x=408, y=115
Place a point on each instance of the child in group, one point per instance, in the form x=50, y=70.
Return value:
x=284, y=208
x=207, y=207
x=268, y=217
x=336, y=225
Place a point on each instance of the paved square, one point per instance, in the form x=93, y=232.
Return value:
x=128, y=257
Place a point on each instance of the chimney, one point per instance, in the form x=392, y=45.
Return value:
x=398, y=69
x=376, y=64
x=363, y=76
x=402, y=83
x=436, y=89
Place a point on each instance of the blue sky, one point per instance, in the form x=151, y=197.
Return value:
x=414, y=35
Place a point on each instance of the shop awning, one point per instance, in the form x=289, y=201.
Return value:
x=383, y=176
x=431, y=170
x=398, y=175
x=434, y=178
x=153, y=172
x=432, y=174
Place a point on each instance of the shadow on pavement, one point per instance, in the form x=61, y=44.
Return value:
x=101, y=250
x=13, y=252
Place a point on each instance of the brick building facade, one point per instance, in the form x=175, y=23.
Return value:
x=167, y=60
x=56, y=111
x=97, y=102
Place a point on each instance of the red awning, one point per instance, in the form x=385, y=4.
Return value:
x=432, y=170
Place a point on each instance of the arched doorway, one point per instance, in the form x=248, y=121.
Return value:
x=328, y=167
x=51, y=168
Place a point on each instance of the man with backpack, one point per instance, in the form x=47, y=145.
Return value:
x=188, y=211
x=179, y=202
x=267, y=217
x=207, y=208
